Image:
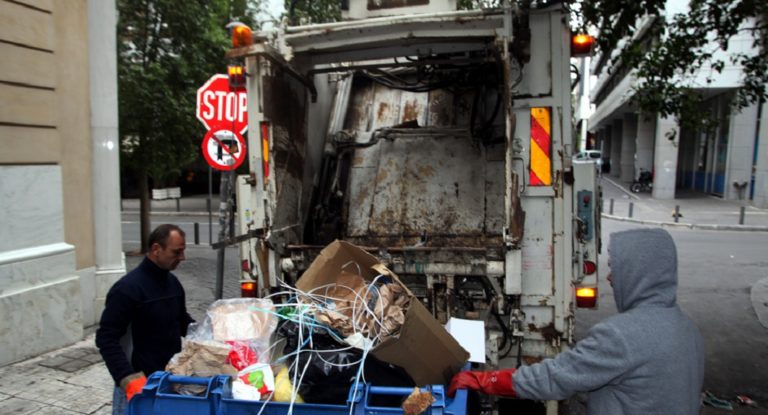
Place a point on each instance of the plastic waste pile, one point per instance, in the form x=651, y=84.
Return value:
x=298, y=346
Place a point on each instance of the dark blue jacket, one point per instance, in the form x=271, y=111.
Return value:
x=151, y=302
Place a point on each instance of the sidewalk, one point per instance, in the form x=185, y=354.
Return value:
x=69, y=381
x=697, y=210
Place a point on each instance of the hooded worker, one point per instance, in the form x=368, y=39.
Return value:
x=648, y=359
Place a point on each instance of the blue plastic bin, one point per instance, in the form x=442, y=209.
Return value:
x=157, y=398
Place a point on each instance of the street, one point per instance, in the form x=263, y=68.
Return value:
x=131, y=229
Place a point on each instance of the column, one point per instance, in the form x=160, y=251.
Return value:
x=628, y=137
x=760, y=198
x=646, y=131
x=605, y=145
x=616, y=145
x=741, y=142
x=110, y=265
x=665, y=160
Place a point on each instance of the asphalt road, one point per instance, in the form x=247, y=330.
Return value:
x=131, y=227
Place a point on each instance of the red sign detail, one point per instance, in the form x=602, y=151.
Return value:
x=222, y=107
x=224, y=149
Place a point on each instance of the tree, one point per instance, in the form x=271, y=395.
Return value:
x=313, y=11
x=669, y=56
x=166, y=50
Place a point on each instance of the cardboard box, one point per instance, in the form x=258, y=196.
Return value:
x=423, y=348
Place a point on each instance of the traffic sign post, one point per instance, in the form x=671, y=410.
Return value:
x=224, y=149
x=222, y=107
x=223, y=111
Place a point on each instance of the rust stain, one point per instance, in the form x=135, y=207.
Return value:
x=357, y=160
x=426, y=171
x=530, y=360
x=411, y=111
x=550, y=334
x=362, y=196
x=440, y=108
x=382, y=111
x=381, y=176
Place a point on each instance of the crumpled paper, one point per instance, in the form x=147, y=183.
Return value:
x=199, y=358
x=375, y=311
x=417, y=402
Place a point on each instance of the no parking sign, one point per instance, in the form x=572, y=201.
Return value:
x=224, y=149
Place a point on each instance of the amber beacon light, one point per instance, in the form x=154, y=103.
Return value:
x=242, y=35
x=581, y=44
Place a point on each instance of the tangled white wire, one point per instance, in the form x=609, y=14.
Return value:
x=307, y=305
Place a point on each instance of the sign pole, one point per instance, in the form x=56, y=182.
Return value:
x=223, y=111
x=210, y=198
x=224, y=213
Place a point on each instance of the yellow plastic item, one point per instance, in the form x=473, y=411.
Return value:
x=284, y=388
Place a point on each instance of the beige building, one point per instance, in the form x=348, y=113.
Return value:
x=60, y=249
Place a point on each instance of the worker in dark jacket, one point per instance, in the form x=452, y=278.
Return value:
x=144, y=317
x=648, y=359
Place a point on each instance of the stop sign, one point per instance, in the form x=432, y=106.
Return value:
x=222, y=107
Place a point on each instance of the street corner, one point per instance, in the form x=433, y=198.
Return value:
x=759, y=297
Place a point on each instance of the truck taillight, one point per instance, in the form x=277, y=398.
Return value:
x=581, y=44
x=586, y=297
x=265, y=149
x=245, y=265
x=589, y=267
x=236, y=76
x=248, y=289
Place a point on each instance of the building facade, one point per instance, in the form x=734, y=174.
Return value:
x=729, y=161
x=61, y=245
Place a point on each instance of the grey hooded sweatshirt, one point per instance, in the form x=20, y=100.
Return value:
x=648, y=359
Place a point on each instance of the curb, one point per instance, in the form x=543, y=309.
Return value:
x=705, y=227
x=758, y=295
x=171, y=213
x=620, y=187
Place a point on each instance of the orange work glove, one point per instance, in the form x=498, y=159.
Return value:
x=134, y=385
x=496, y=382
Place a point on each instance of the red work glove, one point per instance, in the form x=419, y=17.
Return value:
x=495, y=382
x=135, y=386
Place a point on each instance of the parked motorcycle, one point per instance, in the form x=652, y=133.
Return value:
x=644, y=182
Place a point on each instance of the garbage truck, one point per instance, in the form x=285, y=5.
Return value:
x=439, y=140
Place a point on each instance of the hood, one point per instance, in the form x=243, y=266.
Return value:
x=643, y=265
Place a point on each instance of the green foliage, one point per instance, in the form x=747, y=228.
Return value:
x=166, y=50
x=313, y=11
x=478, y=4
x=670, y=55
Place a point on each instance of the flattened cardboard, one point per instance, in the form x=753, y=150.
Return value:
x=423, y=348
x=471, y=336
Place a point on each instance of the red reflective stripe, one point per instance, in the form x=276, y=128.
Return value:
x=540, y=136
x=541, y=147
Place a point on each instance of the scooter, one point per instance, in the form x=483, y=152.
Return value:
x=644, y=183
